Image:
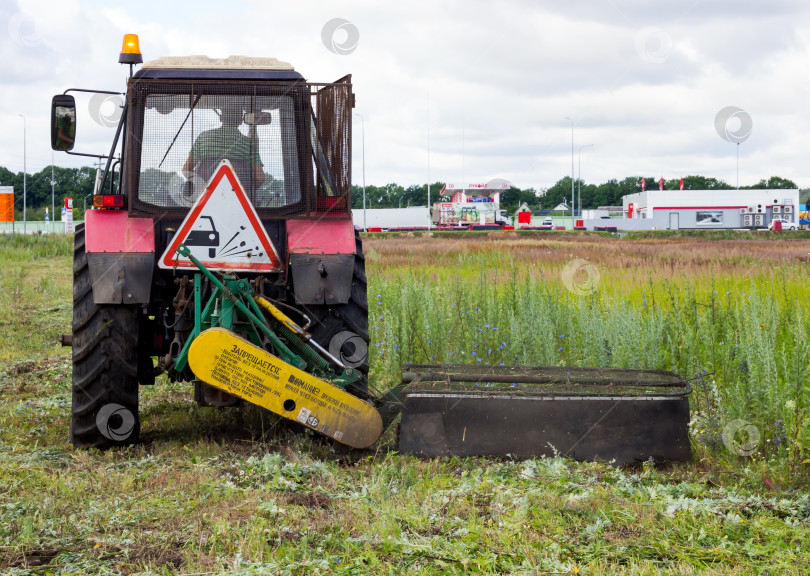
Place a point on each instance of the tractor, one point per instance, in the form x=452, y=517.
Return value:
x=288, y=142
x=221, y=251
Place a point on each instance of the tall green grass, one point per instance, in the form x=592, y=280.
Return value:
x=35, y=289
x=745, y=347
x=25, y=248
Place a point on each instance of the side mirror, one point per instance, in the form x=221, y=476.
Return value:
x=63, y=122
x=258, y=118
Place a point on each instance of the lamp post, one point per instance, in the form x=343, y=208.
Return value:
x=430, y=220
x=579, y=178
x=572, y=159
x=363, y=134
x=53, y=203
x=24, y=174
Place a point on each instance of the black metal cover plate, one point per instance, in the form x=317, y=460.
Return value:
x=620, y=429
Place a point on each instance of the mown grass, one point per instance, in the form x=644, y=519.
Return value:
x=234, y=491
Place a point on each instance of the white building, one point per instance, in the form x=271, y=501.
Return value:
x=411, y=217
x=701, y=209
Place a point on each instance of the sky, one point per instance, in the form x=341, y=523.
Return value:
x=460, y=91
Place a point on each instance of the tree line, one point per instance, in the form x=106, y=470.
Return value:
x=593, y=195
x=77, y=183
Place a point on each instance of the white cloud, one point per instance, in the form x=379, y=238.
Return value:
x=488, y=85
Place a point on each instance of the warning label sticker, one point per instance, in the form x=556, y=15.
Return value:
x=303, y=415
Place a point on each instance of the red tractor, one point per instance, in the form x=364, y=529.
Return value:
x=286, y=144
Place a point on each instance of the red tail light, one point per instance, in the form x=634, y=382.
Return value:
x=108, y=201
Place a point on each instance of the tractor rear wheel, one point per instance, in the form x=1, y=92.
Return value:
x=105, y=364
x=343, y=328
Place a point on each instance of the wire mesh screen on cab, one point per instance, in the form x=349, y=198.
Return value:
x=289, y=145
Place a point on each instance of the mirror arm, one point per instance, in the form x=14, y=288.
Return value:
x=112, y=180
x=99, y=156
x=114, y=144
x=123, y=115
x=94, y=91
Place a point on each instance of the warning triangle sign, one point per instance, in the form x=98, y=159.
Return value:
x=223, y=231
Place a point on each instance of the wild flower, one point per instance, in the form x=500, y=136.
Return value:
x=778, y=432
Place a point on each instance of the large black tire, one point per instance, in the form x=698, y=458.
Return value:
x=330, y=322
x=105, y=364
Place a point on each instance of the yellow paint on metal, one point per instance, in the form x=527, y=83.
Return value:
x=278, y=314
x=224, y=360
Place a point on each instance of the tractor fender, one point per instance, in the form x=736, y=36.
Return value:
x=322, y=254
x=120, y=256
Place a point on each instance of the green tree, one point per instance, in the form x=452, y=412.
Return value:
x=559, y=191
x=703, y=183
x=606, y=194
x=511, y=199
x=775, y=183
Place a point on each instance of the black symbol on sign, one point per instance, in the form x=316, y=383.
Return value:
x=313, y=422
x=239, y=247
x=204, y=237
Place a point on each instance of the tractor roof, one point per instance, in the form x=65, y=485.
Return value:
x=230, y=68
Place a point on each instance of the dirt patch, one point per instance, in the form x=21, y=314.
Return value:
x=35, y=558
x=30, y=366
x=306, y=499
x=168, y=555
x=621, y=535
x=22, y=368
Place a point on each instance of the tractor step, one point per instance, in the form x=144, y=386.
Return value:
x=618, y=416
x=225, y=361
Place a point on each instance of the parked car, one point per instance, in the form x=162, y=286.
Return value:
x=547, y=222
x=786, y=224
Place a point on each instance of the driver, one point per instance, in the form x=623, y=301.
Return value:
x=227, y=141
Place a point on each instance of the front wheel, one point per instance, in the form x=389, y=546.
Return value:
x=105, y=364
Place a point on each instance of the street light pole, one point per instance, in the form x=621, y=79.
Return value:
x=579, y=178
x=363, y=133
x=430, y=219
x=53, y=203
x=25, y=218
x=572, y=159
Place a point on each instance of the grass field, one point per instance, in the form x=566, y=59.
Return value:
x=236, y=492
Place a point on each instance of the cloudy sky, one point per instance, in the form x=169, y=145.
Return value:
x=463, y=90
